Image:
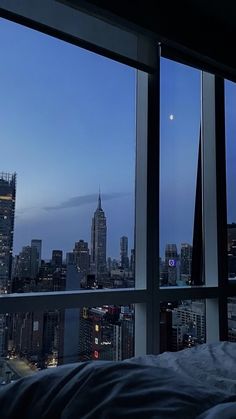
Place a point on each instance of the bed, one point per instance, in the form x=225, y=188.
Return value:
x=193, y=383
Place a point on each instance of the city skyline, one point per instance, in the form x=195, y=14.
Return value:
x=59, y=121
x=68, y=126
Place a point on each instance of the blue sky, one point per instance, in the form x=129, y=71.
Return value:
x=68, y=127
x=230, y=124
x=180, y=126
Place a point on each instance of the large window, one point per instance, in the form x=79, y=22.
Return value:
x=68, y=123
x=67, y=187
x=89, y=236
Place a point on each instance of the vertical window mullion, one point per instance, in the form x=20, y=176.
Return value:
x=209, y=202
x=153, y=173
x=147, y=325
x=221, y=204
x=141, y=209
x=210, y=245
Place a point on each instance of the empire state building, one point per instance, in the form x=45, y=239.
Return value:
x=98, y=240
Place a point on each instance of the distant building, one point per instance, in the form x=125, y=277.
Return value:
x=231, y=246
x=7, y=214
x=24, y=262
x=70, y=325
x=124, y=259
x=100, y=334
x=192, y=315
x=127, y=331
x=70, y=258
x=231, y=228
x=132, y=262
x=98, y=241
x=109, y=264
x=57, y=256
x=232, y=319
x=81, y=256
x=36, y=254
x=186, y=259
x=171, y=263
x=28, y=262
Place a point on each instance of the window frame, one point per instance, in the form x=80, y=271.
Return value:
x=143, y=53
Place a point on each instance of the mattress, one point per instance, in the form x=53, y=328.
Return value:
x=193, y=383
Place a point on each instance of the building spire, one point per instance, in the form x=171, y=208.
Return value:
x=99, y=200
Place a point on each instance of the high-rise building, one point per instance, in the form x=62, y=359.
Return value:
x=69, y=334
x=57, y=256
x=24, y=268
x=81, y=252
x=100, y=334
x=231, y=229
x=28, y=262
x=132, y=262
x=70, y=258
x=186, y=259
x=7, y=213
x=171, y=262
x=231, y=246
x=124, y=259
x=98, y=241
x=36, y=251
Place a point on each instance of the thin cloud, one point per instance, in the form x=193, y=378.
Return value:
x=78, y=201
x=22, y=211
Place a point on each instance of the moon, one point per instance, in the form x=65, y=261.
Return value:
x=171, y=117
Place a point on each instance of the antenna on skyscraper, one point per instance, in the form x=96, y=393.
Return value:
x=99, y=199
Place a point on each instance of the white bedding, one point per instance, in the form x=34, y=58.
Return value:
x=194, y=383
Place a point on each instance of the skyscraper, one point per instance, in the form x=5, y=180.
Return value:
x=81, y=252
x=98, y=241
x=57, y=256
x=36, y=250
x=124, y=259
x=186, y=259
x=7, y=213
x=171, y=259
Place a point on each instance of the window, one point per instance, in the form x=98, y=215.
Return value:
x=190, y=126
x=180, y=106
x=61, y=123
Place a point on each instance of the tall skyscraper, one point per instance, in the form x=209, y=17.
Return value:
x=124, y=259
x=98, y=241
x=7, y=214
x=36, y=251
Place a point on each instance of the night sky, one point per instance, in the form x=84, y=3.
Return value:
x=67, y=127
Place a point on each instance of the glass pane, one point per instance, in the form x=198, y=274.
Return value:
x=230, y=124
x=68, y=131
x=183, y=324
x=179, y=150
x=33, y=341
